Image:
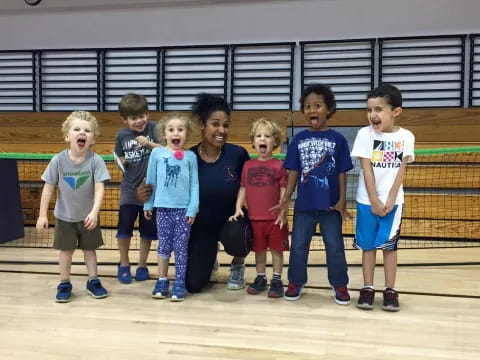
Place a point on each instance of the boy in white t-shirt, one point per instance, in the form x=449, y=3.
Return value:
x=383, y=150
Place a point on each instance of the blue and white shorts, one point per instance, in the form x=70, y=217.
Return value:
x=377, y=232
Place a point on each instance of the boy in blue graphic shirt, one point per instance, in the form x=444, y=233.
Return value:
x=318, y=159
x=173, y=174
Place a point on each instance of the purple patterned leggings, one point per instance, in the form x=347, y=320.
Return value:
x=173, y=233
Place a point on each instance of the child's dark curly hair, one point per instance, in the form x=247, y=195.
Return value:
x=327, y=94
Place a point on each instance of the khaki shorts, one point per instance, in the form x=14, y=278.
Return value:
x=73, y=235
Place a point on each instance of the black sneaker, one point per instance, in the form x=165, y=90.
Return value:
x=390, y=300
x=276, y=289
x=259, y=285
x=366, y=298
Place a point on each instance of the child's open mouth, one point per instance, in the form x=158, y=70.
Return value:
x=81, y=142
x=176, y=142
x=262, y=148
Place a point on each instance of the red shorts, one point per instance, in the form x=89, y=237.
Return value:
x=267, y=235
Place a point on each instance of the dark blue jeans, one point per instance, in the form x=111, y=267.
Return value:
x=304, y=223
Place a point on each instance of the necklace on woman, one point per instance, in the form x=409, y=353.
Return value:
x=205, y=157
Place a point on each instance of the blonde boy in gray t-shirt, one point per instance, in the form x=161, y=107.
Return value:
x=79, y=175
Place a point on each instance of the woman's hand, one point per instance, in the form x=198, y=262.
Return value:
x=147, y=214
x=190, y=220
x=234, y=217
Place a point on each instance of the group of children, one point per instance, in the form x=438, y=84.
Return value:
x=316, y=164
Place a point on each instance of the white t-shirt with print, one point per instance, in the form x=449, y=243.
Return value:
x=386, y=152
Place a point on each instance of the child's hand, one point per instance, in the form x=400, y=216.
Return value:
x=142, y=141
x=190, y=220
x=91, y=221
x=389, y=205
x=147, y=214
x=282, y=206
x=42, y=223
x=342, y=209
x=378, y=208
x=282, y=220
x=235, y=216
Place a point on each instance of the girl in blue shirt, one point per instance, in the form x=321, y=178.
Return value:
x=173, y=174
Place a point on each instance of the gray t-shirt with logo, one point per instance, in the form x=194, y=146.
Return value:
x=137, y=161
x=75, y=184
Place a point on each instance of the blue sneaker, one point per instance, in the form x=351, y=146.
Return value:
x=142, y=274
x=96, y=290
x=178, y=291
x=64, y=292
x=160, y=291
x=124, y=275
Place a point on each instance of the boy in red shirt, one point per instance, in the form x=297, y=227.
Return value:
x=263, y=183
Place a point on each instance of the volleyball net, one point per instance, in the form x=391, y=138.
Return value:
x=442, y=201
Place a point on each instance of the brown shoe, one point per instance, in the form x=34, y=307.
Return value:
x=390, y=300
x=366, y=298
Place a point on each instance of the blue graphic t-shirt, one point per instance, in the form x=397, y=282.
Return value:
x=318, y=156
x=75, y=184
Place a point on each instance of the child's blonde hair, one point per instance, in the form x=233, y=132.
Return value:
x=162, y=124
x=270, y=125
x=81, y=115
